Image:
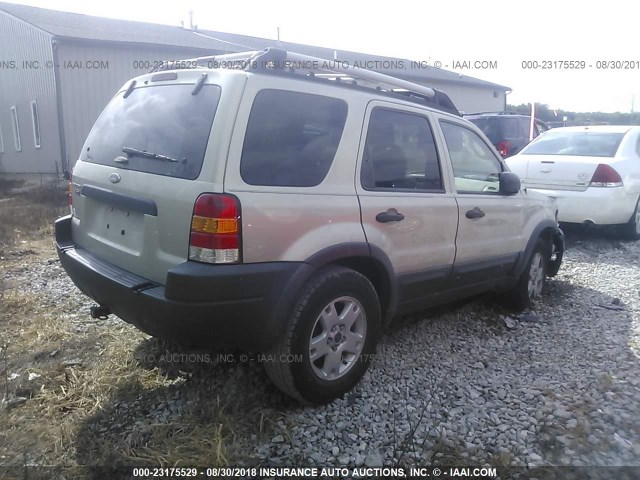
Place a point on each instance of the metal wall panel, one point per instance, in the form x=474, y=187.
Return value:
x=26, y=75
x=470, y=99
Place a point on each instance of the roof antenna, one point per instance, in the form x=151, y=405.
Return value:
x=191, y=19
x=278, y=32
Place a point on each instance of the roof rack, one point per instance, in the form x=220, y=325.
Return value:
x=494, y=113
x=277, y=59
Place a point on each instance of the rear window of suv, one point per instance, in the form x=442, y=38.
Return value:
x=162, y=129
x=291, y=138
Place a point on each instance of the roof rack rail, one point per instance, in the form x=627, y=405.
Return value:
x=278, y=59
x=493, y=113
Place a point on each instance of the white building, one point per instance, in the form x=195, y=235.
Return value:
x=58, y=70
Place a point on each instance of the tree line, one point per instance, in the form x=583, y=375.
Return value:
x=544, y=113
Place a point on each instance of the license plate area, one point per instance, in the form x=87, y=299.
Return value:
x=119, y=228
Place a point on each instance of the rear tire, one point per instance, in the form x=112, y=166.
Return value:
x=533, y=278
x=631, y=229
x=330, y=338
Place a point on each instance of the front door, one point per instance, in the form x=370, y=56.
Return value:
x=490, y=226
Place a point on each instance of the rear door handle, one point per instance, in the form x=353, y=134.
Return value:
x=391, y=215
x=475, y=213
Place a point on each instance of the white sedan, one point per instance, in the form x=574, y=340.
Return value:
x=593, y=172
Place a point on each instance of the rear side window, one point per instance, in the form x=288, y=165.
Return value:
x=510, y=127
x=291, y=138
x=490, y=127
x=162, y=129
x=525, y=126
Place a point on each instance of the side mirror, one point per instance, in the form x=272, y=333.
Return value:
x=509, y=183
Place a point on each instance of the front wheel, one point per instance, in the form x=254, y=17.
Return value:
x=330, y=338
x=533, y=278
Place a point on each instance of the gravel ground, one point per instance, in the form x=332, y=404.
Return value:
x=469, y=384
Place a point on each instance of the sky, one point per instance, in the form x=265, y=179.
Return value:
x=530, y=44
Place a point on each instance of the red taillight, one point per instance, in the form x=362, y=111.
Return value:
x=503, y=148
x=606, y=176
x=215, y=229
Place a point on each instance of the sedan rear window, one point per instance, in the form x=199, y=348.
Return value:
x=162, y=129
x=583, y=144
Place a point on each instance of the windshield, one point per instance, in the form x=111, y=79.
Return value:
x=585, y=144
x=162, y=129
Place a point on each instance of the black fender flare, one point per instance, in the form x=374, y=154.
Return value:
x=556, y=236
x=339, y=254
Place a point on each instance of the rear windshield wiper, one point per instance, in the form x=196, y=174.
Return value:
x=134, y=152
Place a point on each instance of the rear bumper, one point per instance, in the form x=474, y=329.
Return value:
x=602, y=206
x=243, y=305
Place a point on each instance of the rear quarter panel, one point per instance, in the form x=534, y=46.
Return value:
x=293, y=223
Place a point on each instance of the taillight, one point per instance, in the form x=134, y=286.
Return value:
x=503, y=148
x=215, y=229
x=606, y=176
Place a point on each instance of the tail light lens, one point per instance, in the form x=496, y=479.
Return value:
x=503, y=148
x=215, y=229
x=606, y=176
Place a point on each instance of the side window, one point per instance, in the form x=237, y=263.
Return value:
x=291, y=138
x=510, y=127
x=16, y=129
x=524, y=127
x=400, y=153
x=542, y=127
x=35, y=121
x=475, y=167
x=637, y=146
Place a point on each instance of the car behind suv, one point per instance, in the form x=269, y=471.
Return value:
x=293, y=210
x=508, y=132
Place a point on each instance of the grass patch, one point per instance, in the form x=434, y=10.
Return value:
x=28, y=213
x=109, y=406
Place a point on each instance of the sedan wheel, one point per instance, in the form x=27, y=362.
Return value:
x=631, y=230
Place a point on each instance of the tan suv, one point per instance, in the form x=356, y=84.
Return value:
x=291, y=207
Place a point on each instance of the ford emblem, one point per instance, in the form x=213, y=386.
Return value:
x=114, y=178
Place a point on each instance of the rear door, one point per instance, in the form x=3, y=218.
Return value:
x=142, y=167
x=408, y=210
x=490, y=226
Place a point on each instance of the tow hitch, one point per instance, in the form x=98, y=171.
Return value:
x=100, y=311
